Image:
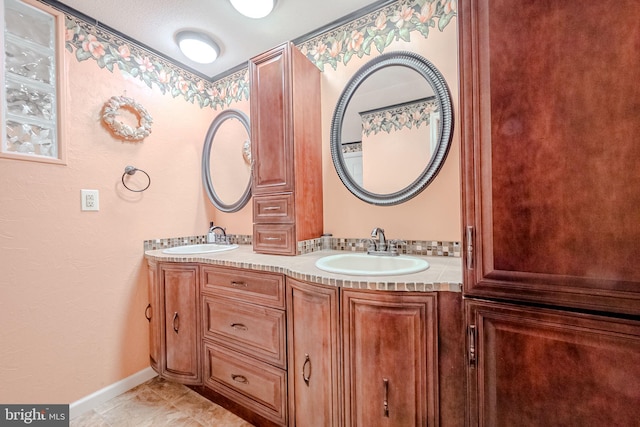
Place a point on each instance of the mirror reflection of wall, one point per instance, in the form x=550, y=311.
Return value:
x=230, y=171
x=386, y=134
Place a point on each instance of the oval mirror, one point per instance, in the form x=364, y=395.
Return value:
x=392, y=128
x=226, y=161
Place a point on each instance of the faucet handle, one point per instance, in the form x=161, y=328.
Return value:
x=393, y=246
x=371, y=244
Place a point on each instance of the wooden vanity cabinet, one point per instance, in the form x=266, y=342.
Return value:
x=283, y=352
x=314, y=355
x=286, y=150
x=390, y=357
x=370, y=358
x=244, y=340
x=173, y=315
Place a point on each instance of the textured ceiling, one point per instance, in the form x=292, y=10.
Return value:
x=154, y=23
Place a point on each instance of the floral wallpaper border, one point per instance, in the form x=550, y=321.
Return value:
x=377, y=29
x=395, y=118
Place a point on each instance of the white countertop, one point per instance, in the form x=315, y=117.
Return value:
x=443, y=274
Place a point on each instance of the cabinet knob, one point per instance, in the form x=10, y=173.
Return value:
x=306, y=367
x=147, y=312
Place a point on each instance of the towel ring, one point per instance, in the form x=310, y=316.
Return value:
x=130, y=170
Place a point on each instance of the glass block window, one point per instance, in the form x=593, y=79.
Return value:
x=31, y=107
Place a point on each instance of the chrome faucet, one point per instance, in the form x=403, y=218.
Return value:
x=378, y=244
x=381, y=244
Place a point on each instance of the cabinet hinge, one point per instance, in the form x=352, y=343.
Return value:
x=471, y=333
x=470, y=236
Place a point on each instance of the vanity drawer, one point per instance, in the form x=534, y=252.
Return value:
x=246, y=285
x=254, y=330
x=274, y=209
x=277, y=239
x=258, y=386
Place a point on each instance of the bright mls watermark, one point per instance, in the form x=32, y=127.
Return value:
x=34, y=415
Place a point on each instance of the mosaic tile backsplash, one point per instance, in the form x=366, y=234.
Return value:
x=408, y=247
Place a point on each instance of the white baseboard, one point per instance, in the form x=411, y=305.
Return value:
x=109, y=392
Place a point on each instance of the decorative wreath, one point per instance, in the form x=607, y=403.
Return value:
x=124, y=131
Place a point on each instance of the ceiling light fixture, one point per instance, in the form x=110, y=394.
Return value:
x=197, y=46
x=254, y=8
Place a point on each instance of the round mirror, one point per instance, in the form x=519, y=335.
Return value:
x=392, y=128
x=226, y=161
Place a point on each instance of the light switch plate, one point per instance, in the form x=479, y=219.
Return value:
x=90, y=200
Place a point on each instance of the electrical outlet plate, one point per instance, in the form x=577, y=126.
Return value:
x=90, y=200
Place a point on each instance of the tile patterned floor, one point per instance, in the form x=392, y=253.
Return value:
x=159, y=403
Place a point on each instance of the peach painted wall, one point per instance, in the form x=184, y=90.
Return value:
x=73, y=286
x=435, y=214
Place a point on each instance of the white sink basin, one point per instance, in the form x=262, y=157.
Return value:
x=371, y=265
x=199, y=249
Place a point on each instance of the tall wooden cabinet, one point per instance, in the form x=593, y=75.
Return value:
x=549, y=103
x=174, y=327
x=286, y=150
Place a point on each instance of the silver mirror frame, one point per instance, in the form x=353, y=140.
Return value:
x=443, y=96
x=206, y=162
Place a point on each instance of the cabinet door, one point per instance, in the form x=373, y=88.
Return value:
x=181, y=323
x=271, y=127
x=535, y=367
x=390, y=359
x=550, y=151
x=314, y=392
x=152, y=314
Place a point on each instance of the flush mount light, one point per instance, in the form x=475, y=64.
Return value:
x=254, y=8
x=197, y=46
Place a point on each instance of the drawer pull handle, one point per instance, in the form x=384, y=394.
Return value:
x=273, y=238
x=307, y=362
x=147, y=312
x=239, y=284
x=176, y=322
x=240, y=379
x=272, y=208
x=239, y=327
x=385, y=403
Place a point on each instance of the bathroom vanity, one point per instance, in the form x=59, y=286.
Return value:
x=281, y=342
